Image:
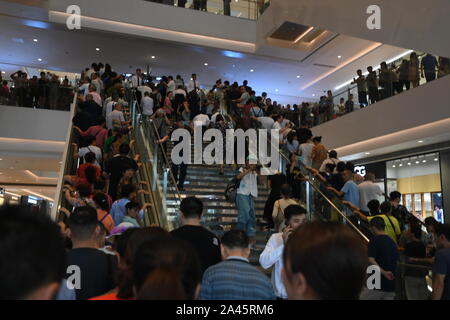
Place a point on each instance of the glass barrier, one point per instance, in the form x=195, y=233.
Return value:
x=29, y=94
x=247, y=9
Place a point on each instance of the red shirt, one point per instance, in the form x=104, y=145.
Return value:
x=99, y=133
x=81, y=170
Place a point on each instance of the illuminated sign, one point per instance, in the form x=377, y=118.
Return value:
x=360, y=170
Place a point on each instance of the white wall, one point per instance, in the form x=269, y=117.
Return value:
x=36, y=124
x=144, y=13
x=412, y=24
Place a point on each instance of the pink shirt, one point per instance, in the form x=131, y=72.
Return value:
x=99, y=133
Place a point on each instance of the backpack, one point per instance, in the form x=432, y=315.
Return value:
x=231, y=189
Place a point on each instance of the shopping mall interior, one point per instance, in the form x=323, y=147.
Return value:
x=93, y=93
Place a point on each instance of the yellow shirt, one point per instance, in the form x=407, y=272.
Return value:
x=392, y=226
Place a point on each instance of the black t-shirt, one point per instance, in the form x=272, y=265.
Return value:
x=92, y=108
x=204, y=241
x=415, y=249
x=116, y=167
x=97, y=271
x=276, y=181
x=384, y=250
x=337, y=181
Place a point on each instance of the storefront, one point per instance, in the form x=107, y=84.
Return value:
x=417, y=178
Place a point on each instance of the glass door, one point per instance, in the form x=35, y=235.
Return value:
x=418, y=205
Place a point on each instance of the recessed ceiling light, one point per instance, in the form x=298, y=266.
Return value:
x=251, y=70
x=205, y=63
x=424, y=161
x=409, y=163
x=420, y=141
x=339, y=57
x=314, y=95
x=417, y=162
x=400, y=165
x=153, y=57
x=276, y=90
x=97, y=49
x=35, y=40
x=435, y=159
x=393, y=166
x=298, y=76
x=39, y=59
x=367, y=153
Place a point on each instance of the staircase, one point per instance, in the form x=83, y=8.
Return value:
x=219, y=215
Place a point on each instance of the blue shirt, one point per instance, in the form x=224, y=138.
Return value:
x=235, y=279
x=118, y=210
x=429, y=63
x=442, y=266
x=351, y=194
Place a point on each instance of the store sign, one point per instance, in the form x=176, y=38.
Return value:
x=360, y=170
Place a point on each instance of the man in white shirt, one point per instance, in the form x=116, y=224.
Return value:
x=193, y=84
x=116, y=119
x=84, y=87
x=147, y=104
x=245, y=195
x=266, y=122
x=91, y=148
x=180, y=90
x=97, y=83
x=305, y=151
x=368, y=190
x=95, y=96
x=170, y=84
x=137, y=79
x=201, y=119
x=272, y=255
x=144, y=88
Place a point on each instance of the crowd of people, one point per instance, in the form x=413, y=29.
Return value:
x=44, y=92
x=104, y=234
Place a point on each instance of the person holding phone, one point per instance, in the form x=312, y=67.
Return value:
x=295, y=216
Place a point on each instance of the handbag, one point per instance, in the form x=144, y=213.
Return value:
x=231, y=189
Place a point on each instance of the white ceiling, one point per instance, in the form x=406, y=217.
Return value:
x=71, y=51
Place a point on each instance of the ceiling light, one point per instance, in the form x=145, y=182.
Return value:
x=339, y=57
x=417, y=162
x=424, y=161
x=367, y=153
x=276, y=90
x=420, y=141
x=251, y=70
x=39, y=59
x=436, y=159
x=206, y=64
x=298, y=77
x=97, y=49
x=393, y=166
x=409, y=163
x=153, y=57
x=35, y=40
x=3, y=72
x=313, y=95
x=303, y=34
x=400, y=165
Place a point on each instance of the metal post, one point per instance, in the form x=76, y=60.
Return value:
x=165, y=175
x=308, y=202
x=155, y=167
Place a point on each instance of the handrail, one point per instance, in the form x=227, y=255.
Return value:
x=67, y=162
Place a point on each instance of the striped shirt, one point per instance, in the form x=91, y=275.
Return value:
x=235, y=279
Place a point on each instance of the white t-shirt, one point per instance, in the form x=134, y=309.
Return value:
x=98, y=153
x=266, y=122
x=147, y=106
x=249, y=184
x=115, y=116
x=368, y=191
x=171, y=86
x=202, y=118
x=109, y=107
x=96, y=97
x=179, y=91
x=306, y=153
x=84, y=88
x=144, y=89
x=323, y=167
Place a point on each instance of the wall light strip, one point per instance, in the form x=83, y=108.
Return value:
x=354, y=58
x=38, y=195
x=375, y=69
x=303, y=34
